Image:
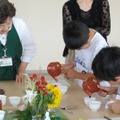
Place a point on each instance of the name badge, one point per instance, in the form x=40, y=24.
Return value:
x=6, y=62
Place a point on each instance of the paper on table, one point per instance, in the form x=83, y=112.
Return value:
x=63, y=82
x=115, y=118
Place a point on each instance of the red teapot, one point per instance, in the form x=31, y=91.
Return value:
x=90, y=86
x=54, y=69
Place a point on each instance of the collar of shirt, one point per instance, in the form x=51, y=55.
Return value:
x=3, y=38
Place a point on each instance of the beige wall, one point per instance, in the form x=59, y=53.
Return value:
x=44, y=19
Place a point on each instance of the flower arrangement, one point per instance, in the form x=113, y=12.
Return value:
x=39, y=97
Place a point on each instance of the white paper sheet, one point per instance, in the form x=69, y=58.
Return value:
x=116, y=118
x=63, y=82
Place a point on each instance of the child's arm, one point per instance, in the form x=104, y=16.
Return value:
x=107, y=90
x=71, y=73
x=67, y=66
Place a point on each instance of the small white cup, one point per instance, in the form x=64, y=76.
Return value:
x=94, y=105
x=2, y=114
x=88, y=99
x=14, y=100
x=3, y=98
x=63, y=89
x=109, y=102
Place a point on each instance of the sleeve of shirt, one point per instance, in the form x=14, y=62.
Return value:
x=106, y=20
x=66, y=14
x=28, y=45
x=118, y=92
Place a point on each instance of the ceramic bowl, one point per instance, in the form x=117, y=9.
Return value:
x=3, y=98
x=63, y=89
x=88, y=99
x=14, y=100
x=2, y=114
x=94, y=105
x=109, y=102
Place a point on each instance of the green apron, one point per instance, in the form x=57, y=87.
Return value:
x=14, y=50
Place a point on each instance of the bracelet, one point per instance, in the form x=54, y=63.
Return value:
x=74, y=63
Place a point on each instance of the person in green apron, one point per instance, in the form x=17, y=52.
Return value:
x=17, y=47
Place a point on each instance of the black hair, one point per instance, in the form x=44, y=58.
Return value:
x=7, y=9
x=106, y=64
x=75, y=34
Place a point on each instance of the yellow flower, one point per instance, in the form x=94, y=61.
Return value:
x=42, y=97
x=57, y=93
x=49, y=86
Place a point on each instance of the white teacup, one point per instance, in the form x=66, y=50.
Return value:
x=3, y=98
x=94, y=105
x=14, y=100
x=63, y=89
x=88, y=99
x=109, y=102
x=2, y=114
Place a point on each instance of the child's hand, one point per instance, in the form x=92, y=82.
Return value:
x=103, y=93
x=70, y=73
x=115, y=107
x=106, y=90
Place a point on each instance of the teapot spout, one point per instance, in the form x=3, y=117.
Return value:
x=89, y=93
x=55, y=78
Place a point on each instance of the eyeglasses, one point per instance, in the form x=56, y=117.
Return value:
x=6, y=26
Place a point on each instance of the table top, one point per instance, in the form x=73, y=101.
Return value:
x=74, y=96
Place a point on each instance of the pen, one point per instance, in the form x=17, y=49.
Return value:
x=107, y=118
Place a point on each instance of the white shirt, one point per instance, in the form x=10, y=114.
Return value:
x=118, y=92
x=84, y=57
x=28, y=45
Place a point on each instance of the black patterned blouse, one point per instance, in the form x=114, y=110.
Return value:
x=98, y=17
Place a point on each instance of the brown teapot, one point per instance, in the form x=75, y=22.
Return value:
x=90, y=86
x=54, y=69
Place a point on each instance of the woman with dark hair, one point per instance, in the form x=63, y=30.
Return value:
x=94, y=13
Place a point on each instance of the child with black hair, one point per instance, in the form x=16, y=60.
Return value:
x=87, y=43
x=106, y=66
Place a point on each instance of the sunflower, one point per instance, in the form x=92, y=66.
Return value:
x=57, y=96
